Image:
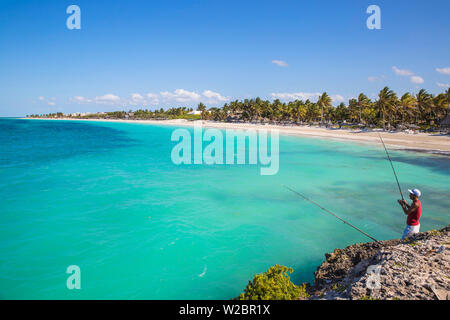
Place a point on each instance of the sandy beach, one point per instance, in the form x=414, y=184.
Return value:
x=420, y=142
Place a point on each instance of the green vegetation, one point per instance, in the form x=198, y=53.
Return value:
x=422, y=111
x=141, y=114
x=274, y=284
x=435, y=232
x=414, y=243
x=368, y=298
x=339, y=287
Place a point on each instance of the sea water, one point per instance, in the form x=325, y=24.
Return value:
x=107, y=198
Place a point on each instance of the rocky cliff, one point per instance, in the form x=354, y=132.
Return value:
x=417, y=268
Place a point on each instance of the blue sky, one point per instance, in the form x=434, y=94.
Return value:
x=172, y=53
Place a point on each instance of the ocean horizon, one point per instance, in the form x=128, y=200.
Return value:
x=106, y=197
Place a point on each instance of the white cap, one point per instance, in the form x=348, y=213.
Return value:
x=415, y=192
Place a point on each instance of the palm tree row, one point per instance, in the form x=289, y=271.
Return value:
x=141, y=114
x=422, y=110
x=387, y=111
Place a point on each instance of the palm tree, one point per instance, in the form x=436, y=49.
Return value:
x=324, y=101
x=352, y=109
x=386, y=102
x=407, y=106
x=440, y=103
x=201, y=107
x=299, y=111
x=424, y=103
x=312, y=110
x=276, y=110
x=341, y=113
x=447, y=95
x=363, y=102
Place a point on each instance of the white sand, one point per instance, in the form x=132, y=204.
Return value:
x=423, y=142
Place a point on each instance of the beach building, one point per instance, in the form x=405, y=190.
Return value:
x=445, y=124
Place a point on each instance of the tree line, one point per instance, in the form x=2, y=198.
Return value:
x=422, y=110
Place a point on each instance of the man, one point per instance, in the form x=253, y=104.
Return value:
x=413, y=211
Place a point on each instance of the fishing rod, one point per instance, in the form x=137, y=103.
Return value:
x=328, y=211
x=389, y=158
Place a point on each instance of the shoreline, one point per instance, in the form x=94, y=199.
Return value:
x=413, y=269
x=418, y=142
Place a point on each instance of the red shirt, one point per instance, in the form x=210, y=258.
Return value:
x=413, y=218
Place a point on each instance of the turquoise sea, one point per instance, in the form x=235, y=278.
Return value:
x=107, y=198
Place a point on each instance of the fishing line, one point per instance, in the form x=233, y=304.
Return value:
x=389, y=158
x=328, y=211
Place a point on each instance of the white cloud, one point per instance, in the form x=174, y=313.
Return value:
x=295, y=96
x=151, y=95
x=285, y=97
x=214, y=97
x=180, y=95
x=375, y=78
x=337, y=98
x=80, y=99
x=417, y=79
x=177, y=97
x=402, y=72
x=107, y=98
x=443, y=70
x=280, y=63
x=443, y=85
x=152, y=99
x=136, y=97
x=184, y=96
x=48, y=101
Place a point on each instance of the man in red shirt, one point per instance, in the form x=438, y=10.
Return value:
x=413, y=211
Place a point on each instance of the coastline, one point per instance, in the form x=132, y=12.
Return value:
x=413, y=269
x=418, y=142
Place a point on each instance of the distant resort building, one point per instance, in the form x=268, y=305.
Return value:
x=195, y=112
x=81, y=114
x=445, y=124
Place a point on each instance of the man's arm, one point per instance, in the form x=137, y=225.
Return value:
x=407, y=209
x=412, y=208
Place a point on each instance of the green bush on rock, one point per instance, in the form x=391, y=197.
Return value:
x=274, y=284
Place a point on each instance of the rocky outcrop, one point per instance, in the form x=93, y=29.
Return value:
x=418, y=268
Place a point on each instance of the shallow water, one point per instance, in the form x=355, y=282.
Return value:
x=106, y=197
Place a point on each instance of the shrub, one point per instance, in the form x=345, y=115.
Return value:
x=414, y=243
x=339, y=287
x=274, y=284
x=435, y=232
